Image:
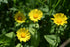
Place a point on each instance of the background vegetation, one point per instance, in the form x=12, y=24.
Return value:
x=45, y=35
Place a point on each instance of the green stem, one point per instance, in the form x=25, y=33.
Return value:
x=54, y=7
x=35, y=28
x=50, y=3
x=57, y=4
x=33, y=4
x=41, y=2
x=63, y=2
x=14, y=2
x=57, y=29
x=21, y=44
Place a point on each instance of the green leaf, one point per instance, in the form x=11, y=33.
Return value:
x=14, y=9
x=19, y=45
x=14, y=1
x=32, y=28
x=35, y=35
x=5, y=41
x=51, y=39
x=17, y=24
x=46, y=9
x=35, y=39
x=48, y=1
x=61, y=28
x=4, y=1
x=52, y=29
x=65, y=26
x=0, y=0
x=26, y=45
x=53, y=12
x=10, y=35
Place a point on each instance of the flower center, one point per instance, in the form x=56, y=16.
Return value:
x=19, y=18
x=23, y=35
x=59, y=21
x=35, y=16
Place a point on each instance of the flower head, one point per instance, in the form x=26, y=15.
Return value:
x=19, y=17
x=35, y=15
x=23, y=35
x=59, y=19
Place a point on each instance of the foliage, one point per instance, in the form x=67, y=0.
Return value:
x=44, y=32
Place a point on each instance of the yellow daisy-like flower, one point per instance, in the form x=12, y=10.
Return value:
x=59, y=19
x=19, y=17
x=23, y=35
x=35, y=15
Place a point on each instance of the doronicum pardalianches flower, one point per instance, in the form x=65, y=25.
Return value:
x=35, y=15
x=23, y=34
x=19, y=17
x=59, y=19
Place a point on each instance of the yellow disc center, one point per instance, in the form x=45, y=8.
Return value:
x=23, y=35
x=19, y=18
x=35, y=16
x=59, y=21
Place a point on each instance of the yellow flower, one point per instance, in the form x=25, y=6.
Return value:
x=19, y=17
x=59, y=19
x=23, y=34
x=35, y=15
